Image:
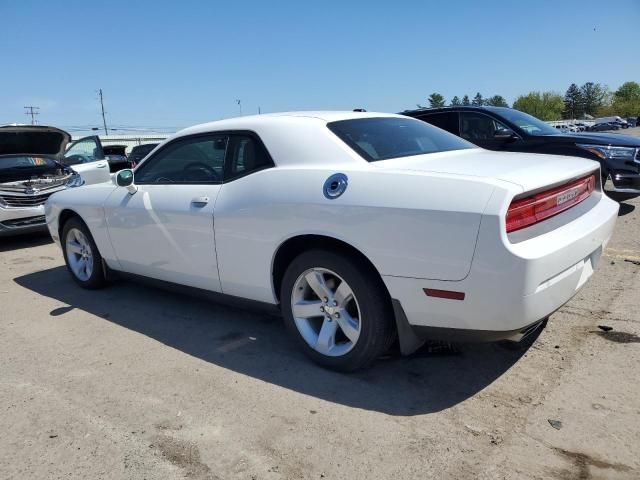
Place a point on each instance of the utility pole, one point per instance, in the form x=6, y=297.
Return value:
x=239, y=102
x=104, y=121
x=32, y=111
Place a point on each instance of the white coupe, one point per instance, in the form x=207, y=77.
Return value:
x=361, y=227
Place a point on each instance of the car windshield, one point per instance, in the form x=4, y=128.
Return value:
x=526, y=122
x=392, y=137
x=25, y=161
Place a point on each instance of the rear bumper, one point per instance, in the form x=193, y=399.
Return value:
x=511, y=286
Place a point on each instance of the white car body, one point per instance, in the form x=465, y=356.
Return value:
x=433, y=221
x=23, y=193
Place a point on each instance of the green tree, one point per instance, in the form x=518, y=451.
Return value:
x=436, y=100
x=543, y=105
x=455, y=101
x=626, y=100
x=594, y=97
x=573, y=104
x=496, y=101
x=465, y=101
x=478, y=101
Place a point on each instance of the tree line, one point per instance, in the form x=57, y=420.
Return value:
x=593, y=99
x=436, y=101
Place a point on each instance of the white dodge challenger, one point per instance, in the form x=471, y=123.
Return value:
x=361, y=227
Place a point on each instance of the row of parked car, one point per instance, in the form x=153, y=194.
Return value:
x=37, y=162
x=599, y=125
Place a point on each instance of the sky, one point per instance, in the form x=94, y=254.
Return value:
x=167, y=65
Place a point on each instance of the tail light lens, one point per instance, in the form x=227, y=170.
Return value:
x=536, y=208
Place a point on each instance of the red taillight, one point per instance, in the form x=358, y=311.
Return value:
x=538, y=207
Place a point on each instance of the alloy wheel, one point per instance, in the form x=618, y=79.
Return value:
x=79, y=254
x=326, y=312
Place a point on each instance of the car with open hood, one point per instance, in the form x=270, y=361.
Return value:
x=361, y=227
x=510, y=130
x=33, y=166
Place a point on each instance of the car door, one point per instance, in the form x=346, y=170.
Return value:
x=165, y=229
x=481, y=129
x=86, y=157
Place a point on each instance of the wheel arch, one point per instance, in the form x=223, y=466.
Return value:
x=65, y=215
x=294, y=246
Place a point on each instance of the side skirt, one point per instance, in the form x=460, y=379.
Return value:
x=216, y=297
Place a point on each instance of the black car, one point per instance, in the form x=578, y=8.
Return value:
x=506, y=129
x=139, y=152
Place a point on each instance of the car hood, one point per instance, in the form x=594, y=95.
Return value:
x=530, y=171
x=32, y=140
x=597, y=139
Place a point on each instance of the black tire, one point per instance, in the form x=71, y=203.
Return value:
x=97, y=277
x=377, y=328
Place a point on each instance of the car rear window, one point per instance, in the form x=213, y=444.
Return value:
x=392, y=137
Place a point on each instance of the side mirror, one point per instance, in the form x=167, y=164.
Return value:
x=124, y=178
x=504, y=134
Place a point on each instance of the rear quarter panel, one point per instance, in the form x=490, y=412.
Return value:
x=408, y=224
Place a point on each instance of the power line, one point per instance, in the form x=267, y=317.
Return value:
x=32, y=111
x=104, y=121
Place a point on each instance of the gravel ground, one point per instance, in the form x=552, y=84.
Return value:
x=132, y=382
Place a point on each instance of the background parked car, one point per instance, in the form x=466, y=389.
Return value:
x=139, y=152
x=32, y=168
x=116, y=156
x=507, y=129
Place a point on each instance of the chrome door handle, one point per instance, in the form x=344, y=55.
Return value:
x=200, y=201
x=101, y=165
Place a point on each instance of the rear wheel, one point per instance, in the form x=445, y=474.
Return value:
x=338, y=310
x=81, y=255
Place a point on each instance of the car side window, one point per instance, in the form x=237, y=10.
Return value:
x=196, y=160
x=447, y=121
x=85, y=150
x=477, y=126
x=246, y=155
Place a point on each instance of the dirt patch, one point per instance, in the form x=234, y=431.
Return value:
x=184, y=455
x=582, y=465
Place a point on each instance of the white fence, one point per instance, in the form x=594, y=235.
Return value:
x=129, y=141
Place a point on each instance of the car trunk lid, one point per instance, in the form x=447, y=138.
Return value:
x=528, y=170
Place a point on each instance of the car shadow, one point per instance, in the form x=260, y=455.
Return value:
x=256, y=344
x=18, y=242
x=620, y=197
x=625, y=209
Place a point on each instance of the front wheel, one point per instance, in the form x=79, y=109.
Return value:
x=81, y=255
x=338, y=309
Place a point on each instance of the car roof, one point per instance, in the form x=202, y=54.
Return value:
x=252, y=122
x=456, y=108
x=314, y=143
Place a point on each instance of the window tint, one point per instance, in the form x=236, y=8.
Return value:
x=392, y=137
x=477, y=126
x=83, y=151
x=447, y=121
x=194, y=160
x=246, y=155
